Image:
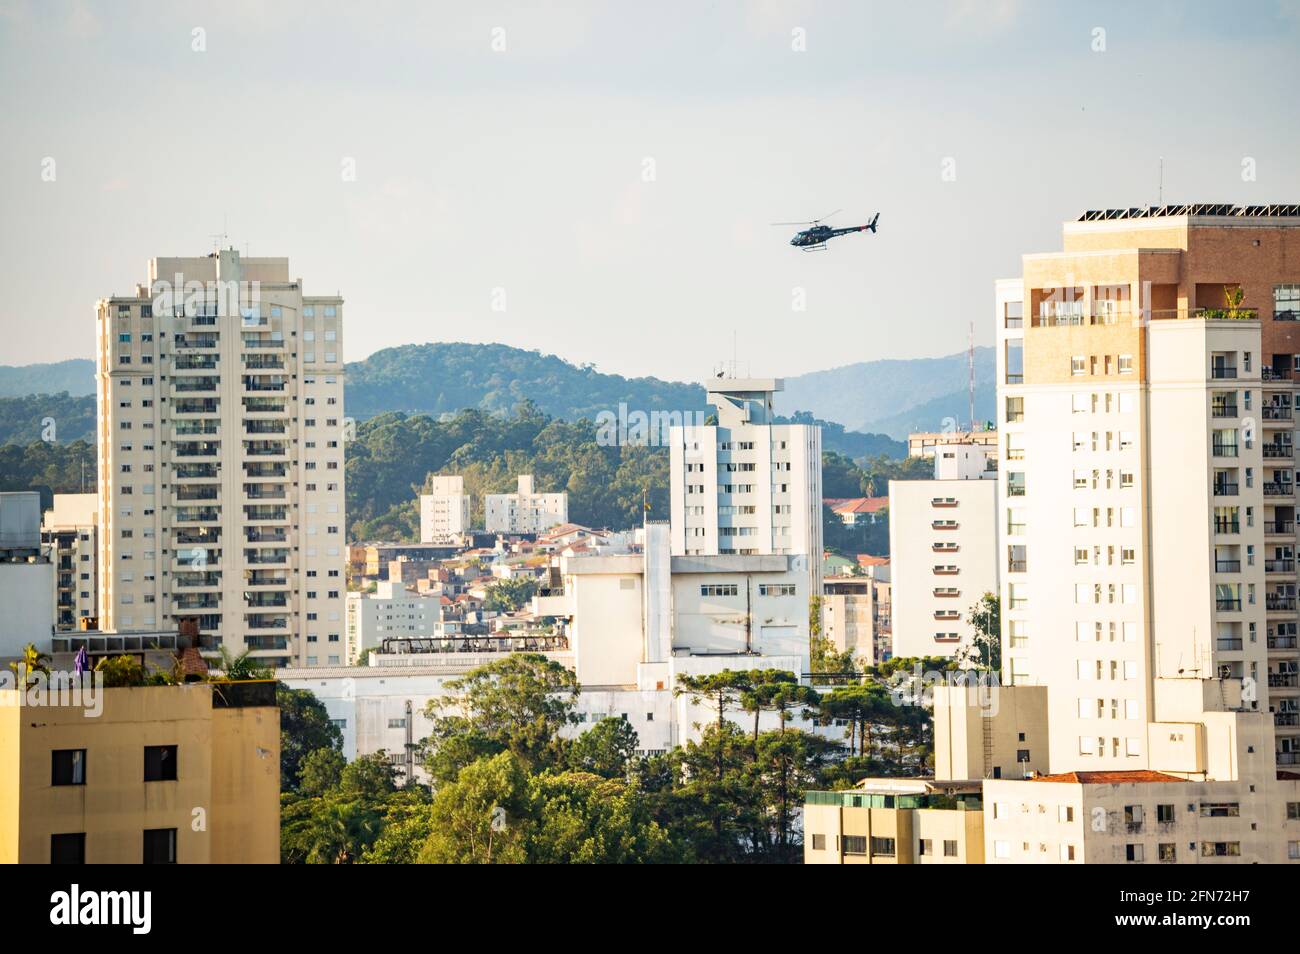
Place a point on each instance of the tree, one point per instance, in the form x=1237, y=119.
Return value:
x=31, y=661
x=786, y=764
x=507, y=596
x=860, y=706
x=985, y=651
x=606, y=749
x=581, y=818
x=477, y=819
x=240, y=667
x=518, y=703
x=305, y=726
x=320, y=771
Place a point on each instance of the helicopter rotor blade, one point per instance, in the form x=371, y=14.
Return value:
x=824, y=217
x=794, y=223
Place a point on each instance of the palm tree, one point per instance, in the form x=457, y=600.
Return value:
x=32, y=660
x=241, y=667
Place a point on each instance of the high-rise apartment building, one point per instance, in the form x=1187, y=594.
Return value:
x=525, y=511
x=943, y=545
x=221, y=430
x=444, y=510
x=70, y=532
x=747, y=485
x=1147, y=501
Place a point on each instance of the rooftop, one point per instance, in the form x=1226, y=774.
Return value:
x=1201, y=208
x=1108, y=778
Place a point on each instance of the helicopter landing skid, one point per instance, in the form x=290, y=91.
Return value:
x=816, y=248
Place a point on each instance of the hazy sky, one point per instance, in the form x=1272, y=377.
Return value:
x=525, y=169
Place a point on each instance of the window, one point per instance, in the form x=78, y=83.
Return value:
x=1165, y=814
x=949, y=848
x=819, y=842
x=1133, y=853
x=883, y=847
x=160, y=846
x=68, y=767
x=1077, y=364
x=776, y=589
x=160, y=763
x=1015, y=410
x=925, y=847
x=855, y=844
x=68, y=849
x=719, y=589
x=1220, y=809
x=1126, y=364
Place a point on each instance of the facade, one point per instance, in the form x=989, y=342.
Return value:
x=925, y=443
x=1147, y=501
x=394, y=610
x=747, y=486
x=1140, y=817
x=896, y=821
x=525, y=511
x=943, y=545
x=129, y=784
x=444, y=510
x=856, y=616
x=221, y=429
x=27, y=577
x=70, y=533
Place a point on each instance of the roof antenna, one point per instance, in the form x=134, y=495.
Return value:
x=1160, y=198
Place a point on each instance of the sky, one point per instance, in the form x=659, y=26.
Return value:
x=598, y=181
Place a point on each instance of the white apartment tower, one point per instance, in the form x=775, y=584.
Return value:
x=746, y=485
x=1147, y=499
x=525, y=511
x=943, y=545
x=221, y=430
x=444, y=510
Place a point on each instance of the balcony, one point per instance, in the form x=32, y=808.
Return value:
x=264, y=492
x=196, y=342
x=1226, y=526
x=263, y=383
x=193, y=602
x=257, y=470
x=265, y=426
x=266, y=535
x=1286, y=718
x=1227, y=604
x=1225, y=489
x=1224, y=450
x=266, y=513
x=197, y=492
x=1223, y=372
x=1227, y=566
x=1227, y=644
x=1288, y=758
x=195, y=406
x=262, y=341
x=264, y=362
x=261, y=405
x=1279, y=527
x=1223, y=410
x=196, y=471
x=1275, y=413
x=1277, y=451
x=1279, y=604
x=269, y=557
x=266, y=642
x=194, y=362
x=1018, y=566
x=1279, y=566
x=196, y=427
x=1275, y=374
x=1273, y=488
x=196, y=580
x=188, y=384
x=197, y=515
x=1281, y=642
x=266, y=600
x=262, y=621
x=265, y=578
x=266, y=449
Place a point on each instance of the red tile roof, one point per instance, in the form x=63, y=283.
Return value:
x=866, y=559
x=857, y=504
x=1109, y=778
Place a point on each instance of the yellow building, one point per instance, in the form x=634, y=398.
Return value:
x=895, y=821
x=159, y=774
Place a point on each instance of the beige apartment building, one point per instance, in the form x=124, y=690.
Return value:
x=221, y=430
x=70, y=532
x=1147, y=499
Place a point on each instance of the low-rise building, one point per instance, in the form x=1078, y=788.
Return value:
x=69, y=532
x=393, y=610
x=186, y=774
x=896, y=821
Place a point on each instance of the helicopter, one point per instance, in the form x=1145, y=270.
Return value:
x=815, y=238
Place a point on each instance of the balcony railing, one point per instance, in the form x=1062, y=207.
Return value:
x=1286, y=718
x=1223, y=410
x=1225, y=489
x=1018, y=566
x=1224, y=450
x=1223, y=372
x=1227, y=644
x=1226, y=526
x=1281, y=642
x=1279, y=604
x=1278, y=527
x=1288, y=758
x=1273, y=488
x=1276, y=413
x=1278, y=451
x=1225, y=603
x=1279, y=566
x=1227, y=566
